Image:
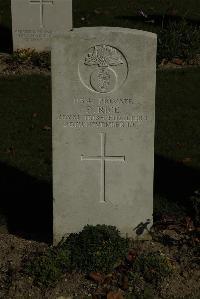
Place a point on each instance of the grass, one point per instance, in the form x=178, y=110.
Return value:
x=5, y=13
x=108, y=13
x=177, y=115
x=125, y=13
x=25, y=111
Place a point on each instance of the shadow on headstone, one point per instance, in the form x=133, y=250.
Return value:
x=6, y=44
x=175, y=181
x=26, y=204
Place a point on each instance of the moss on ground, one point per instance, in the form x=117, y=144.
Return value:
x=96, y=248
x=97, y=251
x=153, y=267
x=47, y=268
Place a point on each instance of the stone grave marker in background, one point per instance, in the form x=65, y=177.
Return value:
x=34, y=21
x=103, y=129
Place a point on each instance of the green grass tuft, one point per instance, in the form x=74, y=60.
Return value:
x=30, y=57
x=179, y=40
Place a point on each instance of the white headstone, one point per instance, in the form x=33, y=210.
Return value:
x=35, y=21
x=103, y=129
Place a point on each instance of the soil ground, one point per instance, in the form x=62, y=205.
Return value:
x=179, y=249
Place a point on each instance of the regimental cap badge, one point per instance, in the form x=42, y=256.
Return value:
x=107, y=66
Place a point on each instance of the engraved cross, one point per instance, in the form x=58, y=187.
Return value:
x=42, y=3
x=103, y=158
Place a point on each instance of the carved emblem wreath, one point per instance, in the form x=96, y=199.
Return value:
x=104, y=57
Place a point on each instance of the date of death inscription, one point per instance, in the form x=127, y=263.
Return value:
x=102, y=113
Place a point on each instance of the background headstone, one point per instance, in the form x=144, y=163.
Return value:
x=34, y=21
x=103, y=129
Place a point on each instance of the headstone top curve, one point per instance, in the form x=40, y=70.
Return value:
x=104, y=30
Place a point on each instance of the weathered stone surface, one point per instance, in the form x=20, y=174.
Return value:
x=103, y=129
x=34, y=22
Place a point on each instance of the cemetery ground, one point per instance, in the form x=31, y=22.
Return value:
x=166, y=266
